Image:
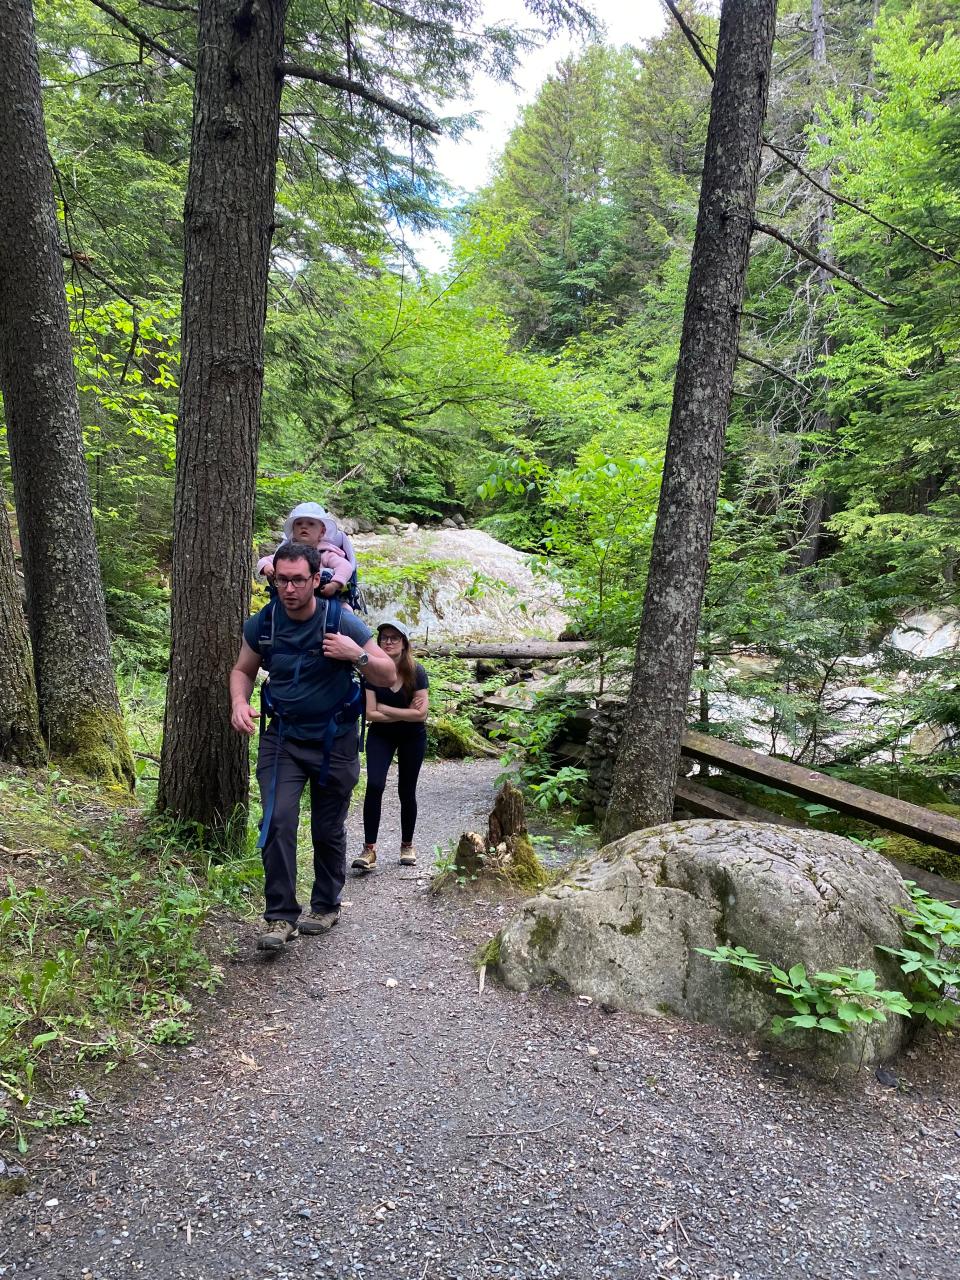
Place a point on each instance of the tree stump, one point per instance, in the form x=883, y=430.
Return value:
x=471, y=856
x=505, y=852
x=507, y=817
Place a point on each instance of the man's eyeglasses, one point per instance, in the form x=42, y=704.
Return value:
x=290, y=582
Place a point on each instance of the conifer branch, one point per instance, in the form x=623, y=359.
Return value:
x=346, y=84
x=767, y=230
x=697, y=46
x=143, y=36
x=414, y=115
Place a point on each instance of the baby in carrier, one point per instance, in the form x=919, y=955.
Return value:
x=310, y=524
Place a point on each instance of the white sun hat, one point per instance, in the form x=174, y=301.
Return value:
x=306, y=511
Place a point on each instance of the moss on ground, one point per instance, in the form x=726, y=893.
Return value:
x=489, y=953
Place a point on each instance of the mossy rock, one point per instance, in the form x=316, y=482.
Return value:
x=489, y=953
x=455, y=739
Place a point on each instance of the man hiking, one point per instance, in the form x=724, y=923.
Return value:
x=311, y=649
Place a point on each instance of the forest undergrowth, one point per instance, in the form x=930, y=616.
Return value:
x=113, y=925
x=107, y=928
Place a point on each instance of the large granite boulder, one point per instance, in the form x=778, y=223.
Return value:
x=624, y=925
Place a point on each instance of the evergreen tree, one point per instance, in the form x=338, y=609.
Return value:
x=79, y=710
x=645, y=774
x=20, y=740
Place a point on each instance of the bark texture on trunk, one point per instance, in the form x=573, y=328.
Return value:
x=646, y=769
x=228, y=224
x=76, y=690
x=819, y=507
x=20, y=738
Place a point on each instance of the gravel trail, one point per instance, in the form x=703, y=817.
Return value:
x=330, y=1125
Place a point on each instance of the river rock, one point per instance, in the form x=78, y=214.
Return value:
x=476, y=589
x=623, y=926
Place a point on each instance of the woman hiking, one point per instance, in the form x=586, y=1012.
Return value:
x=396, y=715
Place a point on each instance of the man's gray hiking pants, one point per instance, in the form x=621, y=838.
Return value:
x=298, y=763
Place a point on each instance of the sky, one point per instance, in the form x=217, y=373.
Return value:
x=466, y=163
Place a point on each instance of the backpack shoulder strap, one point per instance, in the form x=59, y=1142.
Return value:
x=267, y=630
x=333, y=615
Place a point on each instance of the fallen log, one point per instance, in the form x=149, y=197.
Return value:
x=540, y=650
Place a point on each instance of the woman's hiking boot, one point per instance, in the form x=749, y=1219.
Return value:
x=314, y=922
x=366, y=860
x=275, y=933
x=408, y=855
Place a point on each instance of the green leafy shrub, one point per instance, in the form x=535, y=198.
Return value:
x=841, y=999
x=836, y=1001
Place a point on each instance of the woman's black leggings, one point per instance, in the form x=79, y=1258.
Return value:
x=410, y=752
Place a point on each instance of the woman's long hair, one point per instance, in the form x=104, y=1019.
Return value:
x=406, y=666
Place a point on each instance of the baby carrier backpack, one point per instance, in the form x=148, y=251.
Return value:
x=276, y=710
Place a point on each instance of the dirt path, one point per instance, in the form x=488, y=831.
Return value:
x=334, y=1126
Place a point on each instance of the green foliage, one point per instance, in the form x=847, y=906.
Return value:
x=598, y=529
x=843, y=999
x=838, y=1002
x=559, y=789
x=100, y=940
x=934, y=960
x=529, y=735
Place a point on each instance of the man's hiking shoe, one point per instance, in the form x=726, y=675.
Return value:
x=365, y=861
x=275, y=934
x=314, y=922
x=408, y=855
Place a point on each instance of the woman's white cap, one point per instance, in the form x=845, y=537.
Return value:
x=307, y=511
x=397, y=626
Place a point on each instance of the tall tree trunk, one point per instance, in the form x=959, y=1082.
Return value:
x=228, y=224
x=76, y=690
x=818, y=507
x=646, y=770
x=20, y=738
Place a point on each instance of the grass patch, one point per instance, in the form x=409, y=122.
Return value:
x=102, y=944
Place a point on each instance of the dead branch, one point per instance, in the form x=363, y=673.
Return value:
x=770, y=368
x=852, y=204
x=697, y=46
x=83, y=261
x=784, y=239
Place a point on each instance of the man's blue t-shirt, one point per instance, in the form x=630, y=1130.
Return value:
x=305, y=686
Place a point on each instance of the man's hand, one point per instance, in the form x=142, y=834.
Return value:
x=330, y=589
x=337, y=645
x=244, y=718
